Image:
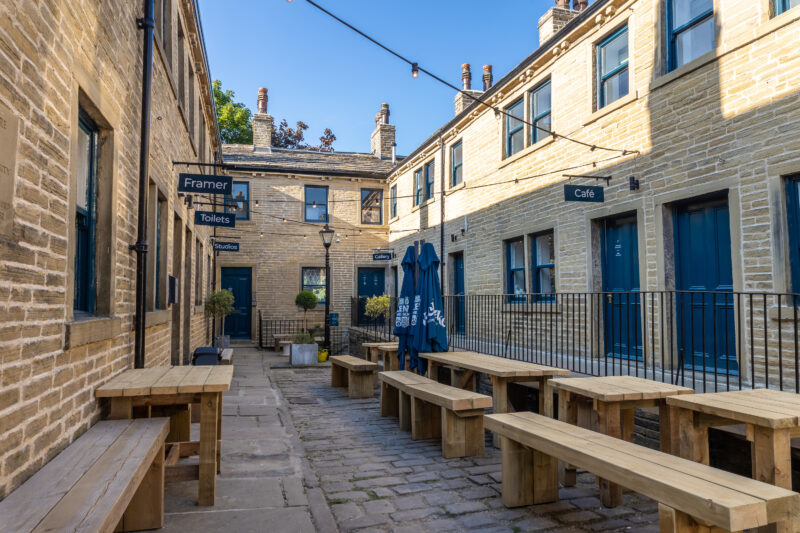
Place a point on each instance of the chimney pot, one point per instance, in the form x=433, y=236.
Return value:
x=382, y=138
x=466, y=77
x=562, y=4
x=487, y=77
x=580, y=5
x=262, y=100
x=262, y=125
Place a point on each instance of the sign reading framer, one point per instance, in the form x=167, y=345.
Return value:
x=210, y=218
x=9, y=133
x=204, y=183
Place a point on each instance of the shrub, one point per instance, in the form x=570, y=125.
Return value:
x=305, y=300
x=303, y=338
x=219, y=305
x=377, y=306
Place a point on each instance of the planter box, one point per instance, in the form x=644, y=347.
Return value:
x=222, y=341
x=304, y=354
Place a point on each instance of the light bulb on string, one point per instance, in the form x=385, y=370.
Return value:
x=414, y=70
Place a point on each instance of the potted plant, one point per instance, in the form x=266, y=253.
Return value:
x=377, y=307
x=305, y=300
x=304, y=350
x=219, y=305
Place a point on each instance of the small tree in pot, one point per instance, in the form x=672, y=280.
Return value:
x=305, y=300
x=219, y=305
x=304, y=350
x=377, y=307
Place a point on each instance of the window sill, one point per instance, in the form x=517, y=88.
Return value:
x=613, y=106
x=394, y=219
x=89, y=330
x=199, y=309
x=458, y=187
x=683, y=70
x=532, y=308
x=787, y=313
x=157, y=317
x=423, y=204
x=527, y=151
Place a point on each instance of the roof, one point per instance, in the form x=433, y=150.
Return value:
x=353, y=164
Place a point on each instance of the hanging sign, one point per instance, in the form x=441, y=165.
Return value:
x=382, y=256
x=226, y=246
x=210, y=218
x=333, y=319
x=203, y=183
x=583, y=193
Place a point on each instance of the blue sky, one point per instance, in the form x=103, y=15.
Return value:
x=320, y=72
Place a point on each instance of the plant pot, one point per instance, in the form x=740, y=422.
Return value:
x=304, y=354
x=222, y=341
x=322, y=355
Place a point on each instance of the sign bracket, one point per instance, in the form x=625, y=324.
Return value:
x=607, y=179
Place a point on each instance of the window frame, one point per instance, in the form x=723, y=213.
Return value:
x=162, y=210
x=792, y=191
x=513, y=297
x=380, y=207
x=304, y=287
x=509, y=132
x=672, y=33
x=417, y=186
x=393, y=201
x=780, y=7
x=430, y=178
x=602, y=78
x=84, y=301
x=456, y=169
x=231, y=198
x=306, y=204
x=536, y=266
x=536, y=117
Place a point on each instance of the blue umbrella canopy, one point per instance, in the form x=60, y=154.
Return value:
x=429, y=332
x=402, y=323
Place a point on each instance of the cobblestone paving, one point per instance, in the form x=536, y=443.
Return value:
x=376, y=478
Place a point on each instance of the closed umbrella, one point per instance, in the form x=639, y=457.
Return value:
x=429, y=333
x=402, y=322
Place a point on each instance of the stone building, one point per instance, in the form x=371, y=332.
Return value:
x=282, y=199
x=694, y=118
x=70, y=110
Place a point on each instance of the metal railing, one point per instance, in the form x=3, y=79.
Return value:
x=708, y=340
x=269, y=327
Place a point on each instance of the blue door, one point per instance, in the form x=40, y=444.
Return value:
x=240, y=282
x=704, y=283
x=459, y=311
x=370, y=283
x=622, y=326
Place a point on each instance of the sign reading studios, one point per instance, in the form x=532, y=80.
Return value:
x=583, y=193
x=205, y=184
x=226, y=246
x=210, y=218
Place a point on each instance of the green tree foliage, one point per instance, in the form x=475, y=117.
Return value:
x=305, y=300
x=294, y=138
x=235, y=119
x=377, y=306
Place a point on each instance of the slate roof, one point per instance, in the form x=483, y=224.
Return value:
x=306, y=161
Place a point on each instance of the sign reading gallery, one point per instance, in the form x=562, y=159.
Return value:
x=210, y=218
x=204, y=184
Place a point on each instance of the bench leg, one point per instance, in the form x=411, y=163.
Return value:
x=389, y=401
x=207, y=487
x=426, y=420
x=545, y=398
x=674, y=521
x=499, y=402
x=567, y=412
x=462, y=379
x=609, y=422
x=771, y=456
x=462, y=436
x=517, y=473
x=404, y=410
x=146, y=509
x=359, y=384
x=338, y=376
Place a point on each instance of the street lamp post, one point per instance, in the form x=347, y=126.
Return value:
x=327, y=238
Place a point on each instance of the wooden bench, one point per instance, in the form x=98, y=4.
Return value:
x=436, y=410
x=111, y=478
x=692, y=497
x=278, y=337
x=354, y=373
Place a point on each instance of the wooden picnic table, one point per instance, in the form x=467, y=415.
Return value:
x=371, y=350
x=771, y=418
x=388, y=353
x=164, y=386
x=501, y=371
x=613, y=400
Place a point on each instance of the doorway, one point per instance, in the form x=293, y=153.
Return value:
x=459, y=304
x=240, y=282
x=622, y=326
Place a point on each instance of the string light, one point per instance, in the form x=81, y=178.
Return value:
x=414, y=70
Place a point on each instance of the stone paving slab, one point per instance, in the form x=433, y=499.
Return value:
x=375, y=478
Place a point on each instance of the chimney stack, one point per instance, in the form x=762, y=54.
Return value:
x=487, y=77
x=558, y=17
x=262, y=124
x=382, y=138
x=465, y=98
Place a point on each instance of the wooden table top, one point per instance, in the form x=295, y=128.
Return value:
x=619, y=388
x=388, y=347
x=493, y=365
x=168, y=380
x=374, y=344
x=762, y=407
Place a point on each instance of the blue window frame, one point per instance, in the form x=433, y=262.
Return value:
x=612, y=68
x=371, y=206
x=543, y=266
x=515, y=270
x=782, y=6
x=316, y=203
x=161, y=209
x=394, y=200
x=85, y=216
x=418, y=187
x=690, y=30
x=456, y=164
x=430, y=173
x=793, y=212
x=239, y=201
x=313, y=279
x=515, y=127
x=540, y=112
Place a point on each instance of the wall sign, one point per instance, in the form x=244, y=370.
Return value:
x=210, y=218
x=583, y=193
x=203, y=183
x=226, y=246
x=9, y=133
x=382, y=256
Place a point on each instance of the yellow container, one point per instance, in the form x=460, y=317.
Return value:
x=322, y=355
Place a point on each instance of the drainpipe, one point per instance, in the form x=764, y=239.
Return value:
x=147, y=24
x=442, y=265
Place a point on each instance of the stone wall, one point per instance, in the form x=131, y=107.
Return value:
x=55, y=58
